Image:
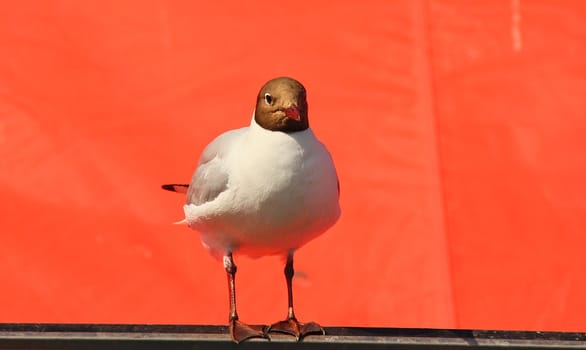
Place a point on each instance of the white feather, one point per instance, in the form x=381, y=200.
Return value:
x=282, y=192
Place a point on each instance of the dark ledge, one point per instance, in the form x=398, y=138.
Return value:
x=168, y=337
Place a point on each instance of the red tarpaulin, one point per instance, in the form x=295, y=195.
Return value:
x=458, y=129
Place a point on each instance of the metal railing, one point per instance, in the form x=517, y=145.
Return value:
x=170, y=337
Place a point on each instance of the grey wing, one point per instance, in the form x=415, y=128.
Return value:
x=211, y=178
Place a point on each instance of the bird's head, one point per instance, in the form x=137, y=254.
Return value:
x=281, y=105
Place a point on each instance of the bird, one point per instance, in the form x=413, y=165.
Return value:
x=264, y=190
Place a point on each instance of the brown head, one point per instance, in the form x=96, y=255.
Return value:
x=281, y=105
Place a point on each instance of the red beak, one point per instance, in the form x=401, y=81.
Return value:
x=292, y=113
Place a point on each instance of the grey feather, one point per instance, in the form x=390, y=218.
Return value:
x=210, y=178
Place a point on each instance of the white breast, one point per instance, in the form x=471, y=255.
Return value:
x=282, y=192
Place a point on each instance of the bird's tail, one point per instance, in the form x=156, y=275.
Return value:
x=180, y=188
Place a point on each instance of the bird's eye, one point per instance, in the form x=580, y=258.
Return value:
x=268, y=99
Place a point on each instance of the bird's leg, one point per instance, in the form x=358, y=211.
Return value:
x=238, y=330
x=290, y=325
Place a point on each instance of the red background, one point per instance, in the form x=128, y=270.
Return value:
x=458, y=129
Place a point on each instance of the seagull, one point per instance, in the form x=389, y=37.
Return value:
x=262, y=190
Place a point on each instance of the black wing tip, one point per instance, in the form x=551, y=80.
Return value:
x=168, y=187
x=175, y=187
